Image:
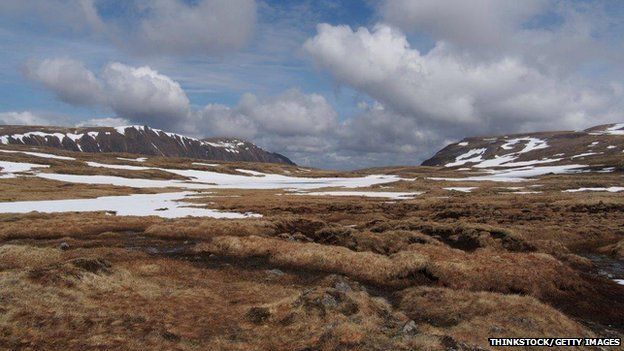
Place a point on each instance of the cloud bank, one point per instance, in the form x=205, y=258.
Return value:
x=428, y=73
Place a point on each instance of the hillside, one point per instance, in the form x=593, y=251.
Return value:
x=127, y=251
x=141, y=140
x=599, y=145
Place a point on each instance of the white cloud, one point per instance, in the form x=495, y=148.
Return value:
x=140, y=94
x=291, y=121
x=23, y=118
x=209, y=26
x=172, y=27
x=472, y=23
x=143, y=95
x=75, y=15
x=449, y=94
x=70, y=80
x=104, y=122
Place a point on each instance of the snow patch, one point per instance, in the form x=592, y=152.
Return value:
x=167, y=205
x=517, y=174
x=466, y=189
x=379, y=194
x=612, y=189
x=138, y=159
x=39, y=154
x=474, y=155
x=10, y=168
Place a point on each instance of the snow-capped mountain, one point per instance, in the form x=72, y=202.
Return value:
x=600, y=145
x=138, y=140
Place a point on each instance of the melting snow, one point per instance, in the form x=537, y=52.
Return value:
x=209, y=180
x=586, y=154
x=138, y=159
x=466, y=189
x=10, y=168
x=168, y=205
x=129, y=167
x=382, y=194
x=206, y=164
x=474, y=155
x=463, y=143
x=39, y=154
x=518, y=174
x=532, y=144
x=613, y=189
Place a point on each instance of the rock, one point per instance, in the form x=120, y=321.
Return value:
x=329, y=301
x=63, y=246
x=410, y=328
x=275, y=271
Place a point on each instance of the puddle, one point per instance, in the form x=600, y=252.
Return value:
x=607, y=266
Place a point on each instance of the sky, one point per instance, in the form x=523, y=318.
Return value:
x=332, y=84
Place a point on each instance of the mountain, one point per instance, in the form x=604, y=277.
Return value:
x=138, y=140
x=599, y=145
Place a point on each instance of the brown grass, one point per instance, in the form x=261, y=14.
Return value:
x=473, y=317
x=315, y=273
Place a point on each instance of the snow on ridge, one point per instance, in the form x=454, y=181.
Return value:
x=616, y=129
x=4, y=139
x=232, y=145
x=517, y=174
x=532, y=144
x=476, y=155
x=473, y=155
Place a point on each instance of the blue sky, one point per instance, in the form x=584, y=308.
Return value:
x=340, y=84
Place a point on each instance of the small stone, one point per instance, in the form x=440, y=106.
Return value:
x=409, y=328
x=63, y=246
x=329, y=301
x=342, y=286
x=275, y=271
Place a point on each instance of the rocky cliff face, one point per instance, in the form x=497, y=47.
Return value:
x=138, y=140
x=602, y=144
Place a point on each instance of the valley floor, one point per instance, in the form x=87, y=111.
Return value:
x=406, y=258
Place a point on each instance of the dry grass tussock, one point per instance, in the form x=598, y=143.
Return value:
x=472, y=317
x=444, y=270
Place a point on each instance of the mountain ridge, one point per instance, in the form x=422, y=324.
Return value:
x=598, y=144
x=136, y=139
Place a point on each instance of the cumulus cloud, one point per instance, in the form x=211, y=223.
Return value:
x=143, y=95
x=445, y=94
x=140, y=94
x=291, y=121
x=104, y=122
x=23, y=118
x=208, y=26
x=471, y=23
x=172, y=27
x=70, y=80
x=75, y=15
